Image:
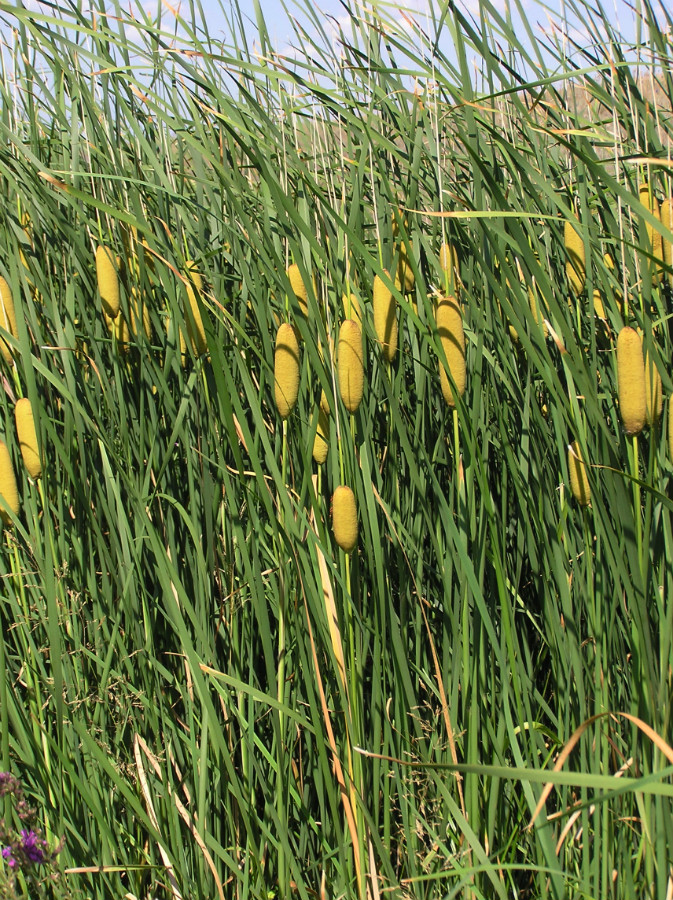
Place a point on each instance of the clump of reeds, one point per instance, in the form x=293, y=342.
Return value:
x=195, y=328
x=653, y=245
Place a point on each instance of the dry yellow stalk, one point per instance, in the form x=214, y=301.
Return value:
x=286, y=370
x=7, y=319
x=25, y=430
x=631, y=380
x=579, y=483
x=9, y=493
x=452, y=336
x=345, y=518
x=385, y=318
x=576, y=259
x=350, y=365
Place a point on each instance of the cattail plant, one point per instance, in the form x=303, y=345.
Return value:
x=9, y=493
x=321, y=440
x=448, y=263
x=7, y=319
x=654, y=395
x=107, y=268
x=405, y=273
x=452, y=337
x=298, y=287
x=350, y=364
x=135, y=314
x=666, y=214
x=579, y=483
x=25, y=430
x=385, y=318
x=653, y=243
x=345, y=518
x=631, y=380
x=575, y=258
x=195, y=327
x=286, y=370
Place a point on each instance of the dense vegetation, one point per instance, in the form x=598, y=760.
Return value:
x=203, y=694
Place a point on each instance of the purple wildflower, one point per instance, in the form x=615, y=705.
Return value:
x=30, y=844
x=7, y=856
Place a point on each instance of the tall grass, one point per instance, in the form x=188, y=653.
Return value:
x=203, y=694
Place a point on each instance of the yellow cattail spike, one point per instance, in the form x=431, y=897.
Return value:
x=576, y=259
x=286, y=370
x=25, y=430
x=452, y=336
x=195, y=327
x=350, y=365
x=345, y=518
x=9, y=493
x=448, y=263
x=579, y=483
x=654, y=245
x=320, y=443
x=666, y=213
x=108, y=280
x=535, y=309
x=134, y=311
x=654, y=393
x=298, y=287
x=7, y=319
x=405, y=273
x=385, y=318
x=324, y=403
x=631, y=380
x=599, y=306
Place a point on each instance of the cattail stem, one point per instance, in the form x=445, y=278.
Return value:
x=280, y=693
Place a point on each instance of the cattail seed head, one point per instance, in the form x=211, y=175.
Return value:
x=324, y=403
x=25, y=430
x=350, y=364
x=195, y=328
x=405, y=273
x=654, y=394
x=666, y=213
x=286, y=370
x=579, y=483
x=653, y=244
x=345, y=518
x=320, y=443
x=448, y=263
x=631, y=380
x=134, y=311
x=576, y=259
x=7, y=319
x=385, y=318
x=298, y=287
x=452, y=337
x=9, y=493
x=534, y=304
x=107, y=269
